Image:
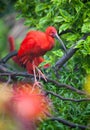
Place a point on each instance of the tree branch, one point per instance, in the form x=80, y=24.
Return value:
x=67, y=99
x=25, y=74
x=70, y=124
x=6, y=72
x=66, y=86
x=10, y=55
x=16, y=74
x=69, y=54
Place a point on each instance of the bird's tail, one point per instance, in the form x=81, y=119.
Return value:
x=11, y=41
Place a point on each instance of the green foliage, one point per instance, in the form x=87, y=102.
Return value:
x=74, y=16
x=84, y=53
x=64, y=15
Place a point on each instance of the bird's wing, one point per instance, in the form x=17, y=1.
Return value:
x=26, y=47
x=33, y=43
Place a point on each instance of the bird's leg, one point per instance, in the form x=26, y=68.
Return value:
x=36, y=82
x=41, y=74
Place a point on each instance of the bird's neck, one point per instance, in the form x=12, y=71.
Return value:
x=51, y=42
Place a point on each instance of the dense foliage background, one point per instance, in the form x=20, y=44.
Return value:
x=72, y=20
x=74, y=17
x=70, y=15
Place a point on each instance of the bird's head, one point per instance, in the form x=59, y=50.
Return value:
x=52, y=32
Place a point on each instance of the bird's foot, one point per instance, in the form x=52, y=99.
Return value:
x=37, y=83
x=41, y=75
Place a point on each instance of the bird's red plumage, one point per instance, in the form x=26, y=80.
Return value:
x=35, y=45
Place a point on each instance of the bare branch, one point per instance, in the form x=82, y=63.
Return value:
x=25, y=74
x=70, y=124
x=10, y=55
x=67, y=99
x=16, y=74
x=7, y=72
x=66, y=86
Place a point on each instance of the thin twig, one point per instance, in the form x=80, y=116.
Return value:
x=70, y=124
x=16, y=74
x=67, y=99
x=66, y=86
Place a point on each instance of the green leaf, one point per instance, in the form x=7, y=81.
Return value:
x=86, y=27
x=67, y=17
x=86, y=66
x=64, y=26
x=43, y=20
x=79, y=43
x=58, y=53
x=78, y=6
x=58, y=19
x=71, y=36
x=40, y=7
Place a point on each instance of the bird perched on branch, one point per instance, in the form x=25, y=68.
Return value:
x=29, y=65
x=33, y=47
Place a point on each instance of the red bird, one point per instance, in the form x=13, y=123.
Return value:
x=34, y=46
x=37, y=60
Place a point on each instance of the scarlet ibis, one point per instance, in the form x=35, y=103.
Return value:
x=35, y=45
x=29, y=65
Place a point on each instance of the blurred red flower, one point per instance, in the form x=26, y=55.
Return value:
x=28, y=102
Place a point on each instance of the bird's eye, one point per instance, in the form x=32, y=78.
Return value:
x=52, y=34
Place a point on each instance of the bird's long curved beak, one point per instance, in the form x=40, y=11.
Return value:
x=61, y=42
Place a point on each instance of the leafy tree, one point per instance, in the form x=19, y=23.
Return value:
x=72, y=20
x=71, y=16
